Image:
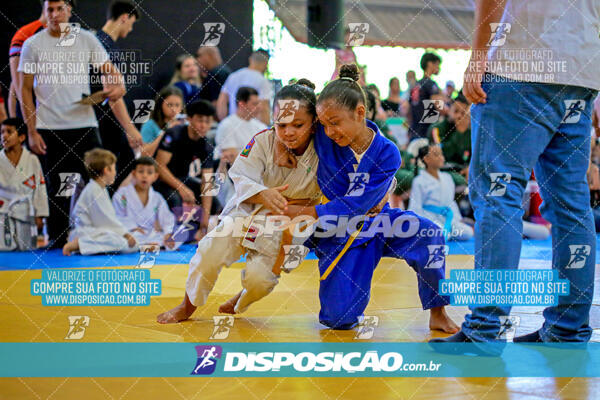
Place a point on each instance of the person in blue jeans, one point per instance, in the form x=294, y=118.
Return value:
x=526, y=122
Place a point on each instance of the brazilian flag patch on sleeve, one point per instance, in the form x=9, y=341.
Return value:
x=247, y=149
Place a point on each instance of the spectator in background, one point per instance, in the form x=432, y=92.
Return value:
x=142, y=210
x=62, y=129
x=251, y=76
x=425, y=89
x=411, y=80
x=448, y=94
x=450, y=89
x=380, y=114
x=454, y=136
x=187, y=78
x=432, y=195
x=3, y=114
x=214, y=73
x=23, y=197
x=14, y=55
x=344, y=56
x=185, y=158
x=373, y=105
x=392, y=104
x=96, y=228
x=166, y=114
x=117, y=132
x=235, y=131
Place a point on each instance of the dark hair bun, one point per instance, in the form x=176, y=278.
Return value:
x=349, y=71
x=307, y=83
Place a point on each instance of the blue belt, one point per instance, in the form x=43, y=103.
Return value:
x=446, y=212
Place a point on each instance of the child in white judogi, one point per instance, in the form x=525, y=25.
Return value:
x=432, y=195
x=261, y=187
x=23, y=196
x=96, y=226
x=142, y=210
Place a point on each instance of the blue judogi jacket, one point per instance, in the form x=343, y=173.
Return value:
x=381, y=161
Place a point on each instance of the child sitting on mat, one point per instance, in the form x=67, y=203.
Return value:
x=142, y=210
x=96, y=226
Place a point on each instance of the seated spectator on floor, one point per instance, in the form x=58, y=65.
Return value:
x=235, y=131
x=187, y=78
x=96, y=228
x=166, y=114
x=185, y=161
x=23, y=197
x=432, y=196
x=454, y=136
x=142, y=210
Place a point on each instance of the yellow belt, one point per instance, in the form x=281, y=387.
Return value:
x=353, y=236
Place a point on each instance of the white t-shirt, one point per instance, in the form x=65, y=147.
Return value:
x=549, y=42
x=235, y=132
x=62, y=77
x=250, y=78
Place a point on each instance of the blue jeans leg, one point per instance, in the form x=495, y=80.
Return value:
x=561, y=174
x=509, y=133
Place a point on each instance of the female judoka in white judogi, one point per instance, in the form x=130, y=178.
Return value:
x=433, y=197
x=253, y=172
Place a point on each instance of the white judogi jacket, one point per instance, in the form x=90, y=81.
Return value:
x=154, y=218
x=427, y=190
x=23, y=184
x=96, y=224
x=254, y=171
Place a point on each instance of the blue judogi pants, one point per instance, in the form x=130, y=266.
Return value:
x=345, y=292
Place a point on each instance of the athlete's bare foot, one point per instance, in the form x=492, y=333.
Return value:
x=440, y=321
x=229, y=306
x=70, y=247
x=177, y=314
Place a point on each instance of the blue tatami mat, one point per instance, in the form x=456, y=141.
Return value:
x=531, y=249
x=42, y=259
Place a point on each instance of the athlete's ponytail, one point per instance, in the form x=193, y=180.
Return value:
x=423, y=151
x=345, y=91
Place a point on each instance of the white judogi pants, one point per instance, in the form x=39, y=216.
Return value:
x=213, y=253
x=98, y=241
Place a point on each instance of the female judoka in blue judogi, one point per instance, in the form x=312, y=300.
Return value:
x=356, y=169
